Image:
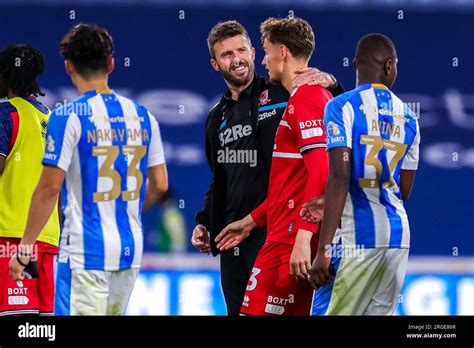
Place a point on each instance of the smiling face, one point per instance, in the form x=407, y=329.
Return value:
x=234, y=59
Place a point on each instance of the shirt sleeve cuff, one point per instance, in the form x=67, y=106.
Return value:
x=156, y=160
x=308, y=226
x=410, y=165
x=54, y=164
x=259, y=218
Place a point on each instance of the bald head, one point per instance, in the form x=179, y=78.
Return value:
x=376, y=60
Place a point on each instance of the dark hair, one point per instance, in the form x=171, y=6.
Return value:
x=225, y=30
x=294, y=33
x=88, y=47
x=20, y=67
x=374, y=44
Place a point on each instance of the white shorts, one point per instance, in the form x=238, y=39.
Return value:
x=367, y=282
x=93, y=292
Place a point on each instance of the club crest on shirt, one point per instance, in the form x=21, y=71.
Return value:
x=332, y=129
x=50, y=144
x=264, y=99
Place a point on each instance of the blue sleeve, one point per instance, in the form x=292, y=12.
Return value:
x=338, y=118
x=54, y=137
x=6, y=130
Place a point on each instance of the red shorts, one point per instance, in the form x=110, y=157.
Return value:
x=271, y=290
x=37, y=295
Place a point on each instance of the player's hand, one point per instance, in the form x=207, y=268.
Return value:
x=200, y=239
x=312, y=76
x=300, y=260
x=313, y=210
x=320, y=273
x=15, y=269
x=234, y=233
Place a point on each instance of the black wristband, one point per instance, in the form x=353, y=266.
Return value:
x=19, y=261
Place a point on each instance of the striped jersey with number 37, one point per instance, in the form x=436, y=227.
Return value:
x=105, y=143
x=384, y=137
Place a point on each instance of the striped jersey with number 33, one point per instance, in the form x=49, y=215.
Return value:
x=105, y=143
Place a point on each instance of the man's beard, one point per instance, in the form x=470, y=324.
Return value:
x=236, y=82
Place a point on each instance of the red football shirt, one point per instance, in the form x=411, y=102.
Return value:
x=299, y=165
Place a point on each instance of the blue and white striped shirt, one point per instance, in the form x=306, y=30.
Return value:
x=105, y=143
x=384, y=137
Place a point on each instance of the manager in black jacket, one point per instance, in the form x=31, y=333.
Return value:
x=240, y=131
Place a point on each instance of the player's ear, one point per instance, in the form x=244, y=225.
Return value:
x=111, y=65
x=215, y=65
x=354, y=63
x=253, y=53
x=283, y=52
x=387, y=67
x=69, y=67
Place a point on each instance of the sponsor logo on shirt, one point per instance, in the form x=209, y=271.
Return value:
x=280, y=300
x=276, y=305
x=50, y=156
x=311, y=123
x=311, y=132
x=267, y=114
x=233, y=133
x=17, y=296
x=130, y=118
x=386, y=109
x=273, y=309
x=18, y=300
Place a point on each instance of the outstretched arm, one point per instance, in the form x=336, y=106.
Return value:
x=335, y=197
x=316, y=163
x=42, y=205
x=156, y=186
x=237, y=231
